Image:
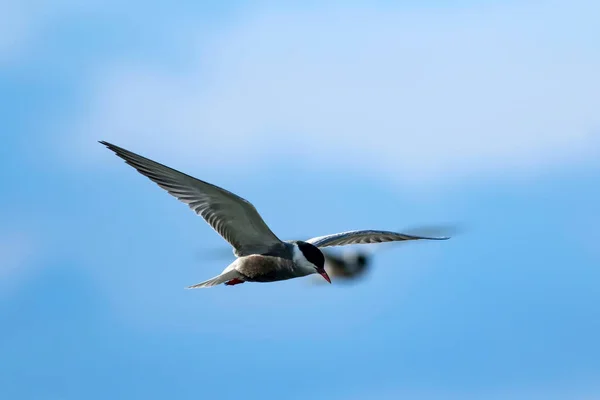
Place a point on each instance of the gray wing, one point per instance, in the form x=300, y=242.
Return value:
x=366, y=237
x=233, y=217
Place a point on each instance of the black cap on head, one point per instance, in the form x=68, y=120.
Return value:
x=312, y=254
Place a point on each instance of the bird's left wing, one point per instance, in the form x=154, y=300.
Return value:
x=366, y=237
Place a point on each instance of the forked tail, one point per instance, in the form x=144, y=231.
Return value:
x=217, y=280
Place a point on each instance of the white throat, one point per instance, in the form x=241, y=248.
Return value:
x=301, y=261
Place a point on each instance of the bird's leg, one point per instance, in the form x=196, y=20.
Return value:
x=234, y=281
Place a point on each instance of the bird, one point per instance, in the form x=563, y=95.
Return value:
x=349, y=265
x=353, y=264
x=260, y=255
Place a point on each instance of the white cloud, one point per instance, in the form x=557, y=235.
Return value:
x=412, y=95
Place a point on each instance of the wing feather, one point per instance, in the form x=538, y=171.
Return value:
x=231, y=216
x=366, y=237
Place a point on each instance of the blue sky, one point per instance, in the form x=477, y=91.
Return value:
x=384, y=116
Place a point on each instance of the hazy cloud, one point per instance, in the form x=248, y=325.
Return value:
x=14, y=30
x=23, y=24
x=413, y=95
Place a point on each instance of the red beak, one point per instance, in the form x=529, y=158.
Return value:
x=324, y=275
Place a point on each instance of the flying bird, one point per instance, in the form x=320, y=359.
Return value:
x=260, y=255
x=353, y=264
x=348, y=265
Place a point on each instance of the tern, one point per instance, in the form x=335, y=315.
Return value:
x=353, y=264
x=260, y=255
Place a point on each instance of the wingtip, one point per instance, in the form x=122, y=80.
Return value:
x=113, y=147
x=109, y=146
x=198, y=286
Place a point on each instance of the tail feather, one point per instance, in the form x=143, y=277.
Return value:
x=217, y=280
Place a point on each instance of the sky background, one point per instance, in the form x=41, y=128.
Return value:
x=327, y=116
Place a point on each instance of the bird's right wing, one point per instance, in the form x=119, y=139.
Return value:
x=233, y=217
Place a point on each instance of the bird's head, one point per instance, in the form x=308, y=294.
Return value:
x=310, y=258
